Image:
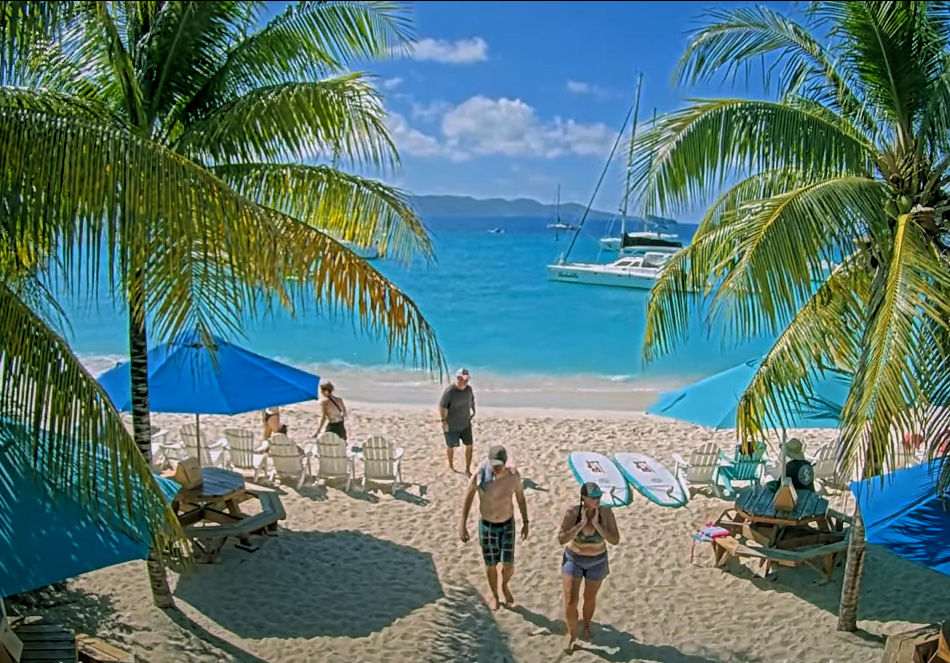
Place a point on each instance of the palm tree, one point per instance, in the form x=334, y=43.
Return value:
x=198, y=156
x=844, y=162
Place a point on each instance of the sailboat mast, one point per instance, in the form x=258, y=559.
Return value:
x=626, y=188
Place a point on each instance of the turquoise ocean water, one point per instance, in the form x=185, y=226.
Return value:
x=528, y=341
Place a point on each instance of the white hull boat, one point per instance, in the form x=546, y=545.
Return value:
x=635, y=272
x=364, y=252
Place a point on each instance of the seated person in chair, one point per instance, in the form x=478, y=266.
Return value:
x=799, y=470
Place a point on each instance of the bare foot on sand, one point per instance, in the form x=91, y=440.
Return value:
x=569, y=647
x=509, y=599
x=586, y=633
x=492, y=602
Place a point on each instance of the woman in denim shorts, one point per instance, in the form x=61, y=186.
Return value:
x=586, y=530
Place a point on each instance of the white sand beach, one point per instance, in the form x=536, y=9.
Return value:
x=372, y=577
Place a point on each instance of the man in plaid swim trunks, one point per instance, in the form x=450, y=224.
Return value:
x=495, y=484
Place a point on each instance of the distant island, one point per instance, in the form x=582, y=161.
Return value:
x=466, y=206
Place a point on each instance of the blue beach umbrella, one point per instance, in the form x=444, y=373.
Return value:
x=183, y=378
x=904, y=514
x=47, y=536
x=713, y=401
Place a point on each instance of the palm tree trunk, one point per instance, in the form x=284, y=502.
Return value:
x=848, y=609
x=141, y=424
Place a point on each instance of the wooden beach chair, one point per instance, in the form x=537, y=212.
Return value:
x=700, y=471
x=333, y=459
x=212, y=455
x=827, y=477
x=381, y=462
x=288, y=459
x=742, y=467
x=241, y=447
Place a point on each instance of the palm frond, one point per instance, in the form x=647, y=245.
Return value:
x=308, y=41
x=347, y=207
x=23, y=24
x=691, y=153
x=64, y=409
x=910, y=286
x=54, y=102
x=784, y=246
x=337, y=118
x=819, y=337
x=735, y=39
x=102, y=28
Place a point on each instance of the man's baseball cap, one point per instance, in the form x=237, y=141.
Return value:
x=497, y=455
x=462, y=373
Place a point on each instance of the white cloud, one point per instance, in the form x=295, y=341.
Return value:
x=480, y=126
x=461, y=51
x=589, y=89
x=391, y=83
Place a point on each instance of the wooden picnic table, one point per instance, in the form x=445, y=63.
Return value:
x=217, y=500
x=810, y=531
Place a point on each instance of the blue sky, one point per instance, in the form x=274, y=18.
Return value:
x=509, y=99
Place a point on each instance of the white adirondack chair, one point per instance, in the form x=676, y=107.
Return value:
x=241, y=447
x=334, y=460
x=701, y=471
x=212, y=455
x=160, y=444
x=381, y=462
x=287, y=458
x=827, y=476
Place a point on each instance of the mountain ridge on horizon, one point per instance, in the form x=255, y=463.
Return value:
x=469, y=206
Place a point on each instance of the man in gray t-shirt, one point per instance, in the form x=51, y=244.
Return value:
x=457, y=408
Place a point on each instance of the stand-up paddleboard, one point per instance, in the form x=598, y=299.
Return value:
x=651, y=479
x=590, y=466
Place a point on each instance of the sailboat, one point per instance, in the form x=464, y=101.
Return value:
x=650, y=237
x=560, y=225
x=639, y=271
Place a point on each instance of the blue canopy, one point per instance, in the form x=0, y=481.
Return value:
x=46, y=536
x=713, y=401
x=905, y=515
x=183, y=378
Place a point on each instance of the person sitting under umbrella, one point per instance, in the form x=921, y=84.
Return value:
x=797, y=468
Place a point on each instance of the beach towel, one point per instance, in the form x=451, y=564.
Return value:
x=485, y=476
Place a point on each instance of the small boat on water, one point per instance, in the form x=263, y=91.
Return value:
x=497, y=231
x=635, y=272
x=559, y=225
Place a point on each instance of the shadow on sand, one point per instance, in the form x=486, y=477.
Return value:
x=885, y=577
x=465, y=630
x=616, y=646
x=336, y=584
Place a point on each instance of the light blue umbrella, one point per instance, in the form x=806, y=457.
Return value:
x=47, y=536
x=713, y=401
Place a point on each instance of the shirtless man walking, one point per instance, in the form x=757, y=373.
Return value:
x=495, y=484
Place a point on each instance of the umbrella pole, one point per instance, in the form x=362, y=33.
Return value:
x=198, y=435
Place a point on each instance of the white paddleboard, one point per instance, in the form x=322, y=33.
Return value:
x=590, y=466
x=652, y=479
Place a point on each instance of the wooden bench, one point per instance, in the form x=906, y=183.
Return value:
x=46, y=643
x=209, y=540
x=94, y=650
x=730, y=546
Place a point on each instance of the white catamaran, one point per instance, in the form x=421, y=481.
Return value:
x=643, y=254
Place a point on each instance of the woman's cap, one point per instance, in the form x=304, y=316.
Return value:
x=462, y=373
x=591, y=489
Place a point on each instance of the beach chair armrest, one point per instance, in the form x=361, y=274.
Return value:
x=262, y=448
x=679, y=462
x=220, y=444
x=397, y=454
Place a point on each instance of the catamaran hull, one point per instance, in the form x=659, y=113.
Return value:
x=572, y=274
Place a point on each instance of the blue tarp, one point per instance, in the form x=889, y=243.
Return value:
x=713, y=401
x=182, y=377
x=46, y=536
x=905, y=515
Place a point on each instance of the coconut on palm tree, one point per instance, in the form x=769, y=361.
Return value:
x=198, y=153
x=845, y=162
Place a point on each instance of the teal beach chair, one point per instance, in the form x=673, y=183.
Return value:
x=742, y=467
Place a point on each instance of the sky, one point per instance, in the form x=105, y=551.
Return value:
x=512, y=99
